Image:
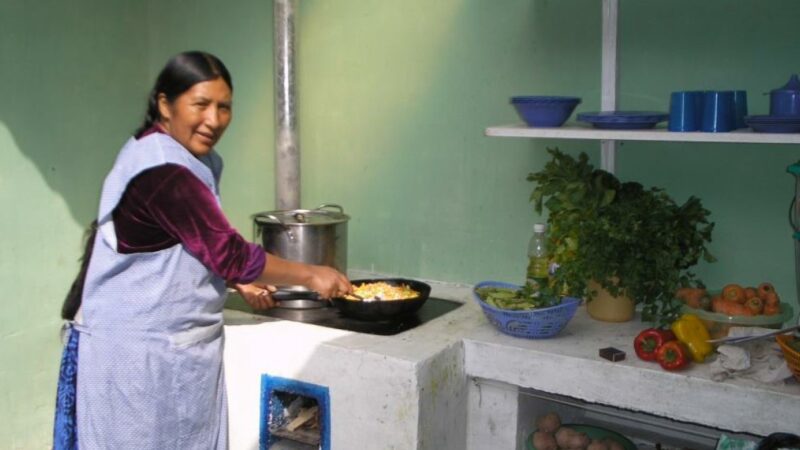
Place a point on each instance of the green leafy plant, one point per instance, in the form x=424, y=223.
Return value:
x=629, y=239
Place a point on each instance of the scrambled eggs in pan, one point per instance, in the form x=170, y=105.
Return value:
x=381, y=291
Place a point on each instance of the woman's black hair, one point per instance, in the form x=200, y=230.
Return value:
x=181, y=72
x=73, y=300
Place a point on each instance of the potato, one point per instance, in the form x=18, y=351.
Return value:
x=580, y=441
x=598, y=445
x=568, y=438
x=548, y=423
x=544, y=441
x=613, y=444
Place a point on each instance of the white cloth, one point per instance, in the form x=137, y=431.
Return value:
x=760, y=360
x=150, y=351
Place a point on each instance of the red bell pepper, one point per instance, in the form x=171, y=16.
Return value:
x=673, y=355
x=648, y=342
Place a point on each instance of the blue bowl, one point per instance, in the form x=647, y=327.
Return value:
x=544, y=111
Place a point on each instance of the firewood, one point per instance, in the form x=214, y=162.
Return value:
x=305, y=415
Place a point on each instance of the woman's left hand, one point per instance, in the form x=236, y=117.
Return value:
x=258, y=296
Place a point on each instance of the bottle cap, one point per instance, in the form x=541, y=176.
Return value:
x=539, y=227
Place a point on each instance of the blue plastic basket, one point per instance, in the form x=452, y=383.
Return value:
x=532, y=324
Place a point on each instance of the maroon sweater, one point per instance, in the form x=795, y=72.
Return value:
x=168, y=205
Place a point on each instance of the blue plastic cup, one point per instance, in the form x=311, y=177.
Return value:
x=685, y=111
x=718, y=112
x=739, y=109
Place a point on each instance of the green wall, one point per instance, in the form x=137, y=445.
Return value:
x=393, y=101
x=72, y=86
x=395, y=96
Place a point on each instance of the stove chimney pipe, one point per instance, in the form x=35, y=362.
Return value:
x=287, y=147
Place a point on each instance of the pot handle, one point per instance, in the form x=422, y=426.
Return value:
x=330, y=205
x=273, y=219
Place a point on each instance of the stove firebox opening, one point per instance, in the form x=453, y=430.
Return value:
x=295, y=411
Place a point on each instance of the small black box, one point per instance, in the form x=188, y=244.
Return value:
x=612, y=354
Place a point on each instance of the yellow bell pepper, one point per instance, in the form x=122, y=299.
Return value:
x=690, y=330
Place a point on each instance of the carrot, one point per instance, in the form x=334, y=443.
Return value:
x=718, y=304
x=755, y=304
x=771, y=299
x=733, y=292
x=765, y=289
x=691, y=296
x=738, y=309
x=772, y=310
x=741, y=310
x=730, y=307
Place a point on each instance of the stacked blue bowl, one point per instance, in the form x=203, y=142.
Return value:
x=544, y=110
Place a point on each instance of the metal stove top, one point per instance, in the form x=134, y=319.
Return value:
x=329, y=316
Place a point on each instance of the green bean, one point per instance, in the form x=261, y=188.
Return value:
x=516, y=299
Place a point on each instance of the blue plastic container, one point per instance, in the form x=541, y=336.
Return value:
x=739, y=109
x=532, y=324
x=544, y=111
x=685, y=111
x=785, y=101
x=718, y=112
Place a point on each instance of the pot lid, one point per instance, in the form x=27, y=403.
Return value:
x=792, y=85
x=317, y=216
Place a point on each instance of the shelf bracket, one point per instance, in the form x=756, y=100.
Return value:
x=609, y=80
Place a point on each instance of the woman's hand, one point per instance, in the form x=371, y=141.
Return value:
x=325, y=281
x=258, y=296
x=328, y=282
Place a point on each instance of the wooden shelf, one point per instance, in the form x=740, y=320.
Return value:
x=572, y=131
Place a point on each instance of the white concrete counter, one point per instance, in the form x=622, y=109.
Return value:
x=411, y=390
x=569, y=365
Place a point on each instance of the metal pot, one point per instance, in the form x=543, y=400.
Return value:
x=315, y=236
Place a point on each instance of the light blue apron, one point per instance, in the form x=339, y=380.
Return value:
x=150, y=356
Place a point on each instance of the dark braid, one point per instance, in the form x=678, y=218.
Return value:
x=152, y=115
x=73, y=300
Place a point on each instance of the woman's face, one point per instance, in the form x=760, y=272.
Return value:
x=199, y=116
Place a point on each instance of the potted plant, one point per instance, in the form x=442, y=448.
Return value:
x=629, y=240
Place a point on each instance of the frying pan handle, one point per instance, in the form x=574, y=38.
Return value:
x=272, y=219
x=330, y=205
x=281, y=295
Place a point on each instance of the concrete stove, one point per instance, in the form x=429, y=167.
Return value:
x=406, y=391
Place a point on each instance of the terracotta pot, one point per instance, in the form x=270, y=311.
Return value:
x=603, y=306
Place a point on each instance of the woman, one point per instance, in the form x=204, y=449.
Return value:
x=146, y=341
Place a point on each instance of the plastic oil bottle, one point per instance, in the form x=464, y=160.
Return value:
x=538, y=262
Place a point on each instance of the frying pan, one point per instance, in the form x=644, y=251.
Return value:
x=384, y=309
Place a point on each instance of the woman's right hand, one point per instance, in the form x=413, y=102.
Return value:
x=328, y=282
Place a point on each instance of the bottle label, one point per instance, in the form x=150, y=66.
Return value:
x=538, y=272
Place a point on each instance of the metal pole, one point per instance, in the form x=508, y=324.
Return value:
x=287, y=146
x=608, y=81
